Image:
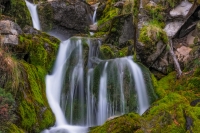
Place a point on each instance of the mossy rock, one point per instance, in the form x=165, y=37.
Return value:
x=33, y=110
x=39, y=50
x=151, y=33
x=23, y=75
x=19, y=12
x=45, y=12
x=124, y=124
x=168, y=114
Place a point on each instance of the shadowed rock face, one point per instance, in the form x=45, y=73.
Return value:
x=72, y=17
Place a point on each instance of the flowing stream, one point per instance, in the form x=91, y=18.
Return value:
x=84, y=93
x=34, y=15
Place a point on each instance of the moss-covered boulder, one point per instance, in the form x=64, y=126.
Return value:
x=23, y=69
x=125, y=124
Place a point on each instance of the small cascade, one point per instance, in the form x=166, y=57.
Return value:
x=119, y=88
x=34, y=15
x=103, y=103
x=121, y=76
x=94, y=15
x=94, y=20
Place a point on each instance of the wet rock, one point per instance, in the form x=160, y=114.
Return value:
x=62, y=15
x=30, y=30
x=195, y=102
x=160, y=47
x=93, y=28
x=127, y=32
x=189, y=123
x=100, y=10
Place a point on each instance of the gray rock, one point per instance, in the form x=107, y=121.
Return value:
x=9, y=39
x=9, y=32
x=160, y=48
x=9, y=27
x=65, y=16
x=127, y=32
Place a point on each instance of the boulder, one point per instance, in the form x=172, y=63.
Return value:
x=74, y=17
x=9, y=32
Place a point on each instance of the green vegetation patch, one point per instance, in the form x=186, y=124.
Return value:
x=151, y=33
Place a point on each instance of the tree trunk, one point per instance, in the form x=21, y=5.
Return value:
x=176, y=64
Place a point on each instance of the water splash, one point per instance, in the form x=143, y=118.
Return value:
x=34, y=15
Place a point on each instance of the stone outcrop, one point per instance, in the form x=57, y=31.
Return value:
x=9, y=32
x=71, y=18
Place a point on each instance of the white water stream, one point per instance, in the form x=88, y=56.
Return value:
x=34, y=15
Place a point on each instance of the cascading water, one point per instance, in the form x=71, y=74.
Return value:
x=69, y=60
x=94, y=21
x=114, y=80
x=34, y=15
x=102, y=105
x=113, y=87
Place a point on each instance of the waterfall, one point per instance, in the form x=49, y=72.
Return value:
x=113, y=74
x=112, y=87
x=69, y=60
x=34, y=15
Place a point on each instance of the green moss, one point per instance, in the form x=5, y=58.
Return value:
x=33, y=106
x=155, y=12
x=151, y=33
x=124, y=124
x=14, y=129
x=107, y=51
x=28, y=115
x=35, y=55
x=19, y=12
x=41, y=50
x=123, y=52
x=165, y=84
x=108, y=13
